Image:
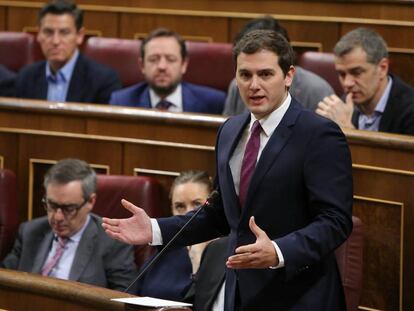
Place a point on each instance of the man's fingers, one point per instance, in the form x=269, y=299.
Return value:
x=255, y=228
x=130, y=207
x=110, y=221
x=348, y=99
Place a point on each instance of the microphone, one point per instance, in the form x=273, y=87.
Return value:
x=213, y=199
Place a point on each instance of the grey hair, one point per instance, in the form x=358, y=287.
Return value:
x=369, y=40
x=68, y=170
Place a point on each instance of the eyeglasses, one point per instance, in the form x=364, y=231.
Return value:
x=68, y=210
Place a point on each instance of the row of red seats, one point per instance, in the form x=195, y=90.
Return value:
x=211, y=64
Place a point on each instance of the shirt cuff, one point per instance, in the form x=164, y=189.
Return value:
x=280, y=256
x=156, y=233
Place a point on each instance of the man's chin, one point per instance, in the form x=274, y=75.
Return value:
x=163, y=90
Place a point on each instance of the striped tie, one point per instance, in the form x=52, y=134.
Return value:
x=48, y=267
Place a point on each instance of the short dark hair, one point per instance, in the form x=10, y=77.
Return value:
x=369, y=40
x=68, y=170
x=60, y=7
x=258, y=40
x=164, y=32
x=193, y=176
x=265, y=22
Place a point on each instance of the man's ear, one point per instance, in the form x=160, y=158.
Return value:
x=92, y=200
x=141, y=64
x=80, y=36
x=184, y=65
x=289, y=76
x=383, y=67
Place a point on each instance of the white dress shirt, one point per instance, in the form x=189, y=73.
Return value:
x=175, y=98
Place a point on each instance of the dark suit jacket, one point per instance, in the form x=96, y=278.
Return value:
x=90, y=83
x=196, y=98
x=7, y=80
x=210, y=276
x=398, y=117
x=99, y=260
x=169, y=278
x=300, y=195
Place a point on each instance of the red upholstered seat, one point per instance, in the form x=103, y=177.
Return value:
x=142, y=191
x=9, y=214
x=119, y=54
x=323, y=65
x=211, y=64
x=16, y=49
x=350, y=257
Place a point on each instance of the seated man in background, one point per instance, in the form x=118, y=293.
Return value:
x=307, y=87
x=66, y=75
x=7, y=79
x=69, y=243
x=171, y=276
x=382, y=101
x=163, y=62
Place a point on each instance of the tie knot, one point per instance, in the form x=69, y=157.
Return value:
x=256, y=128
x=62, y=241
x=163, y=104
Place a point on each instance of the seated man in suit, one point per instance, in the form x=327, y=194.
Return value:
x=163, y=62
x=375, y=100
x=7, y=79
x=69, y=243
x=66, y=75
x=307, y=87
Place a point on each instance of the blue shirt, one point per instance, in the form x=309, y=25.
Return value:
x=371, y=123
x=58, y=83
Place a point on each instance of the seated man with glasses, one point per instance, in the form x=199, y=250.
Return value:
x=69, y=243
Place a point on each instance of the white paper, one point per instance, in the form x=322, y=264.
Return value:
x=152, y=302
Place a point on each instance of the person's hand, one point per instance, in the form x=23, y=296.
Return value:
x=334, y=108
x=133, y=230
x=259, y=255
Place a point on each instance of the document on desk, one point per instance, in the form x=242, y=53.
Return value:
x=152, y=302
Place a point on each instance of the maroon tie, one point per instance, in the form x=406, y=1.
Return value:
x=249, y=160
x=163, y=105
x=48, y=267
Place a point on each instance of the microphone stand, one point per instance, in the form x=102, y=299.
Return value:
x=213, y=197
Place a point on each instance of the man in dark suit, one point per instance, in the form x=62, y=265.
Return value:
x=65, y=75
x=7, y=80
x=163, y=62
x=375, y=100
x=69, y=243
x=284, y=175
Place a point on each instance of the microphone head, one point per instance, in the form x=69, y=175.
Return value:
x=214, y=198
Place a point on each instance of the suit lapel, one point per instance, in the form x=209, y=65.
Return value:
x=144, y=99
x=42, y=252
x=41, y=89
x=274, y=146
x=84, y=251
x=77, y=82
x=190, y=102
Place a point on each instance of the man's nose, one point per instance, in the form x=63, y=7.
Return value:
x=348, y=81
x=162, y=63
x=254, y=83
x=59, y=214
x=56, y=37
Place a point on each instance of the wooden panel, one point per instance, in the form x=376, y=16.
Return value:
x=393, y=186
x=402, y=63
x=3, y=21
x=382, y=221
x=9, y=151
x=207, y=28
x=104, y=24
x=19, y=18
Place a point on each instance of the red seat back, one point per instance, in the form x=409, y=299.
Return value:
x=142, y=191
x=349, y=257
x=9, y=214
x=119, y=54
x=16, y=49
x=211, y=64
x=323, y=64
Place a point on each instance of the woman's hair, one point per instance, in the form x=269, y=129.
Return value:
x=199, y=177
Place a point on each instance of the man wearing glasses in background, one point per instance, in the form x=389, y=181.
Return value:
x=69, y=243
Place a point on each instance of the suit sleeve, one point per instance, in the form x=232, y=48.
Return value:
x=11, y=261
x=328, y=181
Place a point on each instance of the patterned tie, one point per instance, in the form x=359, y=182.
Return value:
x=163, y=104
x=48, y=267
x=249, y=160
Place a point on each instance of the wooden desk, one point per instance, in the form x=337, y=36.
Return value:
x=25, y=291
x=139, y=141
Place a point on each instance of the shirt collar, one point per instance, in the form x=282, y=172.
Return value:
x=384, y=98
x=66, y=71
x=271, y=121
x=175, y=98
